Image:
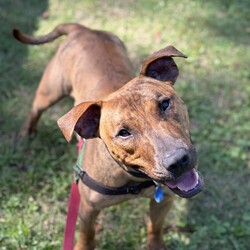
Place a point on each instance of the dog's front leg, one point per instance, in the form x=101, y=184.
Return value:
x=155, y=223
x=86, y=239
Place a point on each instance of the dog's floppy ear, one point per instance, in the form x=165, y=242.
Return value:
x=161, y=66
x=83, y=118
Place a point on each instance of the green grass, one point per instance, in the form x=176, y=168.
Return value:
x=214, y=82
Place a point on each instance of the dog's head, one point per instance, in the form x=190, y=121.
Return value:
x=144, y=125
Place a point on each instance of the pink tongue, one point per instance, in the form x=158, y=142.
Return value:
x=185, y=182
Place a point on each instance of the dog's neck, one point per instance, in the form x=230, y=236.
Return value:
x=106, y=171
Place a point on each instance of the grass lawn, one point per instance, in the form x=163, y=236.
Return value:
x=35, y=176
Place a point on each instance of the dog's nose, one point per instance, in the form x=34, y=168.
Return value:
x=179, y=162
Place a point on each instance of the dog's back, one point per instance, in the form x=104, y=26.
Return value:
x=89, y=64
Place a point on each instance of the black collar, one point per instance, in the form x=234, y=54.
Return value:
x=100, y=188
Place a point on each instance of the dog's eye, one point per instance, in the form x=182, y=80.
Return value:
x=123, y=133
x=165, y=104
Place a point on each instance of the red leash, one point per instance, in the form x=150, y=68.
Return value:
x=73, y=206
x=69, y=232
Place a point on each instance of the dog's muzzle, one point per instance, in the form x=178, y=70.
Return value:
x=187, y=181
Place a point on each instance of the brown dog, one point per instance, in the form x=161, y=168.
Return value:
x=138, y=129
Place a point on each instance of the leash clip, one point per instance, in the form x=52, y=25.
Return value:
x=78, y=173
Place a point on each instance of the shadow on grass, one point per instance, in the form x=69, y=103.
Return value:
x=15, y=14
x=23, y=15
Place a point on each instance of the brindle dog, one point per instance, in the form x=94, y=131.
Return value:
x=132, y=124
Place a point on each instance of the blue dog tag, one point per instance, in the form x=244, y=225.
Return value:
x=159, y=194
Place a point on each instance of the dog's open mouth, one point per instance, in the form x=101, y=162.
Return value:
x=187, y=185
